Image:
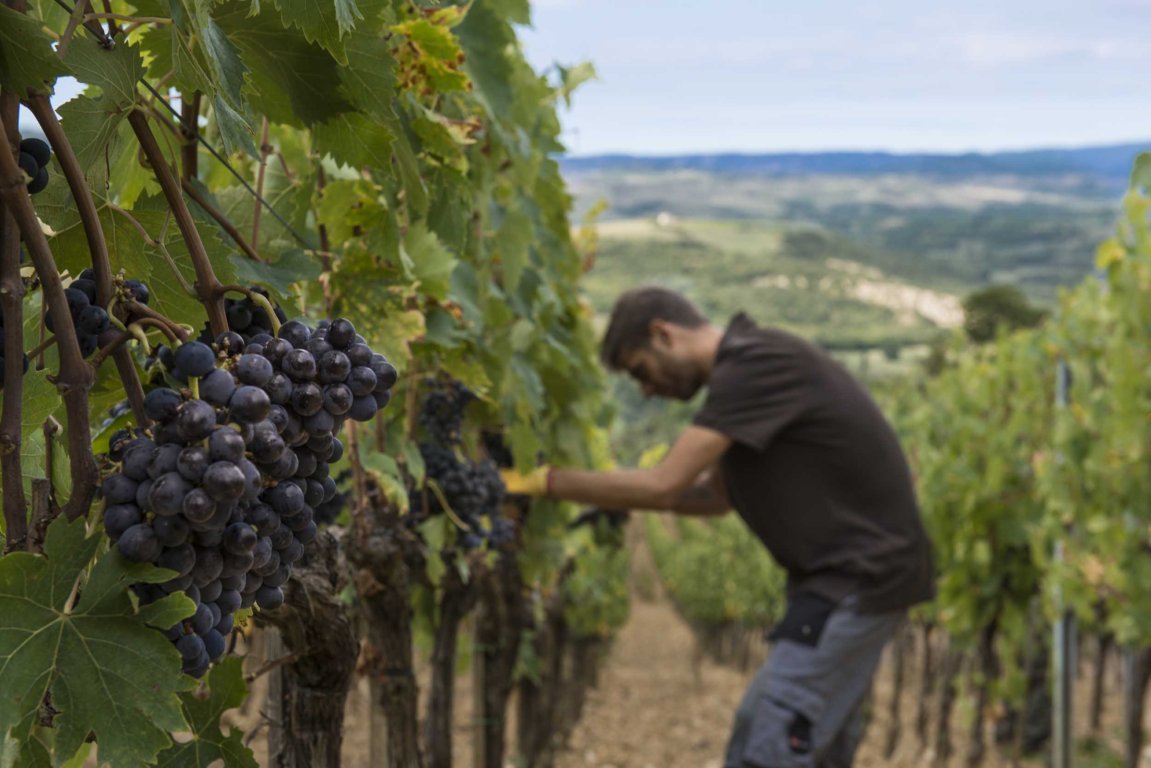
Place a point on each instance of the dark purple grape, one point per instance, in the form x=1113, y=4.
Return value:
x=198, y=506
x=333, y=367
x=211, y=591
x=386, y=375
x=87, y=286
x=337, y=452
x=191, y=647
x=209, y=564
x=382, y=399
x=88, y=344
x=307, y=534
x=162, y=404
x=253, y=580
x=318, y=346
x=295, y=333
x=179, y=559
x=172, y=531
x=137, y=290
x=320, y=422
x=214, y=644
x=230, y=343
x=269, y=598
x=278, y=418
x=225, y=444
x=195, y=358
x=119, y=489
x=41, y=152
x=227, y=622
x=240, y=538
x=285, y=499
x=223, y=481
x=137, y=458
x=299, y=365
x=361, y=380
x=254, y=370
x=264, y=518
x=92, y=321
x=363, y=409
x=167, y=495
x=192, y=462
x=239, y=316
x=253, y=480
x=196, y=420
x=306, y=463
x=360, y=354
x=120, y=517
x=28, y=164
x=307, y=398
x=279, y=389
x=201, y=622
x=39, y=182
x=266, y=446
x=138, y=543
x=314, y=493
x=337, y=399
x=276, y=349
x=250, y=404
x=217, y=387
x=281, y=537
x=341, y=333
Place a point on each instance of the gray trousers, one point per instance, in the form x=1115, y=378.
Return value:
x=824, y=685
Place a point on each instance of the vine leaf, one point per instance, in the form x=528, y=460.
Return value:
x=27, y=59
x=116, y=71
x=104, y=672
x=225, y=690
x=293, y=266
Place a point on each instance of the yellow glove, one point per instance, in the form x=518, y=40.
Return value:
x=534, y=483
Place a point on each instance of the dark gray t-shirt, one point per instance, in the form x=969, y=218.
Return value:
x=816, y=471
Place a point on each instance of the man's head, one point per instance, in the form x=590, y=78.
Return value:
x=661, y=340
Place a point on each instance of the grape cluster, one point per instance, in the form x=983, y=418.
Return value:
x=88, y=318
x=2, y=353
x=472, y=489
x=223, y=486
x=33, y=160
x=246, y=319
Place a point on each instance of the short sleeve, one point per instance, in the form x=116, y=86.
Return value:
x=755, y=392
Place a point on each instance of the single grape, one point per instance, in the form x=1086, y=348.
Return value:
x=138, y=543
x=299, y=365
x=120, y=517
x=196, y=420
x=225, y=444
x=223, y=481
x=240, y=538
x=295, y=333
x=198, y=506
x=195, y=358
x=41, y=152
x=214, y=644
x=119, y=489
x=217, y=387
x=137, y=290
x=269, y=598
x=179, y=559
x=341, y=333
x=250, y=404
x=254, y=369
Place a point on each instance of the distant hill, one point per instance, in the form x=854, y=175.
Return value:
x=1105, y=166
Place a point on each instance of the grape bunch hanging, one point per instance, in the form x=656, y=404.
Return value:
x=472, y=490
x=33, y=160
x=222, y=487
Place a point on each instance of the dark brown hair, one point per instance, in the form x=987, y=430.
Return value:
x=630, y=326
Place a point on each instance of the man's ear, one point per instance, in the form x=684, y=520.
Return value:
x=661, y=332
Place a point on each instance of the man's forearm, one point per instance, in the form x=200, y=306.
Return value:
x=619, y=489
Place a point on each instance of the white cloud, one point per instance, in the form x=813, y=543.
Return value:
x=994, y=49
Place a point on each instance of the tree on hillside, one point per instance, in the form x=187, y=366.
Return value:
x=998, y=306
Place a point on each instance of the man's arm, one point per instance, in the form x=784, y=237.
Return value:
x=706, y=497
x=662, y=487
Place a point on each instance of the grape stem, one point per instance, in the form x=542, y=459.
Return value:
x=191, y=191
x=189, y=130
x=40, y=348
x=11, y=428
x=41, y=109
x=206, y=283
x=265, y=150
x=194, y=385
x=435, y=488
x=138, y=311
x=258, y=298
x=136, y=329
x=76, y=377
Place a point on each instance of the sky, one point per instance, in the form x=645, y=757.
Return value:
x=685, y=76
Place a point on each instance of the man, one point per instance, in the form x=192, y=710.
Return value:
x=795, y=445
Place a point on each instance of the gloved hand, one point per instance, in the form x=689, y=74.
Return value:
x=534, y=483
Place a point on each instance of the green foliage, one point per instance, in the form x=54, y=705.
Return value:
x=225, y=690
x=716, y=571
x=998, y=307
x=71, y=633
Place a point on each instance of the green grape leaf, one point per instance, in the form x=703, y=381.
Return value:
x=91, y=124
x=346, y=205
x=357, y=140
x=369, y=80
x=234, y=129
x=293, y=266
x=432, y=263
x=225, y=690
x=289, y=79
x=114, y=71
x=107, y=673
x=319, y=21
x=486, y=38
x=27, y=58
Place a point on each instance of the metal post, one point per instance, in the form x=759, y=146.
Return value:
x=1064, y=639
